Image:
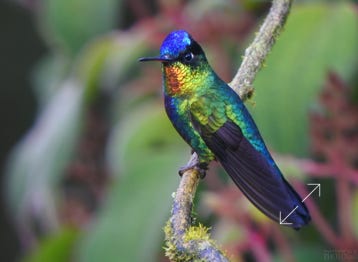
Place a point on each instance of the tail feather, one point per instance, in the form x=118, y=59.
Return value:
x=260, y=181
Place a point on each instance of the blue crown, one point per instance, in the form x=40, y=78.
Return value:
x=175, y=43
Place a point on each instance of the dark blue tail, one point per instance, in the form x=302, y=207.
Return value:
x=261, y=182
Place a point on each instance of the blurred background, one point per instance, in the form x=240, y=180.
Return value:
x=89, y=160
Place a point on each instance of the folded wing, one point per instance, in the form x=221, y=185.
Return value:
x=261, y=182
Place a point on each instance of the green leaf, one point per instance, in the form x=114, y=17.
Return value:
x=109, y=60
x=54, y=248
x=71, y=23
x=355, y=212
x=38, y=161
x=145, y=153
x=48, y=75
x=317, y=38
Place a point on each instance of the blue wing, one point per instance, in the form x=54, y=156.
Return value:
x=261, y=182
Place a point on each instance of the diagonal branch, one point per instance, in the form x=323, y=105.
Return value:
x=257, y=52
x=185, y=242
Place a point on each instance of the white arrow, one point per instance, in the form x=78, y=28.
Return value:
x=282, y=221
x=319, y=191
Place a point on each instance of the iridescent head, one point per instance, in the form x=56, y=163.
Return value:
x=179, y=46
x=185, y=67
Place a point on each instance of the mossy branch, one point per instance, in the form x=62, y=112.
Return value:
x=185, y=242
x=257, y=52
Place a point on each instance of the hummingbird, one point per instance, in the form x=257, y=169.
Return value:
x=210, y=116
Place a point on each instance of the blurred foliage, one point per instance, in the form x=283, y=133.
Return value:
x=56, y=247
x=118, y=212
x=37, y=163
x=70, y=24
x=355, y=212
x=135, y=206
x=308, y=47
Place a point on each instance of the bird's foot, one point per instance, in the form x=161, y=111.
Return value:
x=194, y=164
x=202, y=171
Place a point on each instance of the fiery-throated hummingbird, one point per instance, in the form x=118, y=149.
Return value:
x=213, y=120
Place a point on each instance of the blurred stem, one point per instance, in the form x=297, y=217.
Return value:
x=343, y=204
x=324, y=170
x=179, y=247
x=282, y=244
x=258, y=247
x=318, y=219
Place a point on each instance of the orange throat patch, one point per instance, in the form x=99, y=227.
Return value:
x=174, y=79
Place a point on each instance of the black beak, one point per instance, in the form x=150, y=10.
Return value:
x=156, y=58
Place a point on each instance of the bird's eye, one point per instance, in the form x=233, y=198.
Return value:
x=188, y=57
